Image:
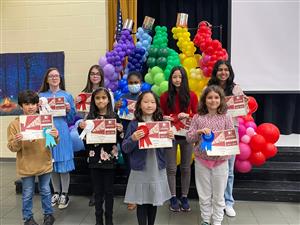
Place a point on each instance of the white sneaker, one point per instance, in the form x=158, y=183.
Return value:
x=55, y=199
x=63, y=201
x=230, y=211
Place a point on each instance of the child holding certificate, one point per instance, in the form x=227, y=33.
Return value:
x=53, y=87
x=211, y=172
x=103, y=156
x=178, y=104
x=223, y=76
x=33, y=159
x=147, y=184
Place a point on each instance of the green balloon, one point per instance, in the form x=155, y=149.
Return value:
x=148, y=78
x=156, y=70
x=167, y=74
x=163, y=87
x=163, y=52
x=151, y=62
x=155, y=89
x=159, y=77
x=161, y=62
x=152, y=52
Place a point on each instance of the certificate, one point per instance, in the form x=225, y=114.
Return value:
x=180, y=127
x=157, y=136
x=104, y=131
x=236, y=105
x=224, y=143
x=54, y=106
x=85, y=102
x=31, y=126
x=131, y=108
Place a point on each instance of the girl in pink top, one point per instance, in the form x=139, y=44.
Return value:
x=211, y=173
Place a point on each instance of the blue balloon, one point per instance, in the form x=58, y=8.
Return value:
x=125, y=90
x=146, y=87
x=117, y=95
x=122, y=83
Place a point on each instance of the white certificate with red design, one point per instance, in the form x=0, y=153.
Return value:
x=31, y=126
x=131, y=108
x=236, y=105
x=180, y=127
x=57, y=107
x=84, y=104
x=158, y=135
x=104, y=131
x=225, y=143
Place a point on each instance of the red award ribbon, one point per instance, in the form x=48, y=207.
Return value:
x=145, y=140
x=82, y=103
x=177, y=122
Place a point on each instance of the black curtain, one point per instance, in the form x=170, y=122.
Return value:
x=282, y=109
x=165, y=14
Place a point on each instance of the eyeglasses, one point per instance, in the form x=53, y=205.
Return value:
x=95, y=74
x=53, y=76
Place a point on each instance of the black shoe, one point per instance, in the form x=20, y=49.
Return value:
x=48, y=219
x=31, y=221
x=108, y=220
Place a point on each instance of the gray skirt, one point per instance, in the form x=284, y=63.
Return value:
x=148, y=186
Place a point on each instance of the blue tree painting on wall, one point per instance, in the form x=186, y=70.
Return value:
x=21, y=71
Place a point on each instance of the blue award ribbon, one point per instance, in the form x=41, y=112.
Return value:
x=50, y=142
x=206, y=141
x=124, y=108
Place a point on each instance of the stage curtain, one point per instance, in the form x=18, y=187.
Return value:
x=129, y=11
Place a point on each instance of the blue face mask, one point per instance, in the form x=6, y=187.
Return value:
x=134, y=88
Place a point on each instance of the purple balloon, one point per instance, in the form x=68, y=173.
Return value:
x=108, y=70
x=106, y=82
x=113, y=86
x=114, y=77
x=102, y=61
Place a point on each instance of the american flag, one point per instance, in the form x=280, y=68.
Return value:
x=119, y=23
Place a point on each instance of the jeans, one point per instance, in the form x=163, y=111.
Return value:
x=229, y=201
x=28, y=186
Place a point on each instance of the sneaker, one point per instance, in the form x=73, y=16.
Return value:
x=63, y=201
x=184, y=206
x=230, y=211
x=55, y=199
x=205, y=223
x=174, y=205
x=49, y=219
x=31, y=221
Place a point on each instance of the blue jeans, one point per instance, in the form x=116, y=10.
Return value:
x=28, y=186
x=229, y=201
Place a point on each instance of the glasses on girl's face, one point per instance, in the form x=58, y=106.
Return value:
x=95, y=74
x=53, y=76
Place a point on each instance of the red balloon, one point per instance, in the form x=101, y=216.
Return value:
x=270, y=150
x=257, y=143
x=248, y=118
x=257, y=158
x=270, y=132
x=252, y=104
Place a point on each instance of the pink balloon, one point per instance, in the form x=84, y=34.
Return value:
x=241, y=120
x=245, y=151
x=242, y=130
x=251, y=124
x=243, y=166
x=250, y=131
x=245, y=139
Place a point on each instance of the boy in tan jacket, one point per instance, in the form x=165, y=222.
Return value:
x=33, y=159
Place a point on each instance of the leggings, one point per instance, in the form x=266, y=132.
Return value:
x=185, y=166
x=60, y=182
x=146, y=212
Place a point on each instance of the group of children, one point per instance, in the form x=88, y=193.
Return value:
x=152, y=172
